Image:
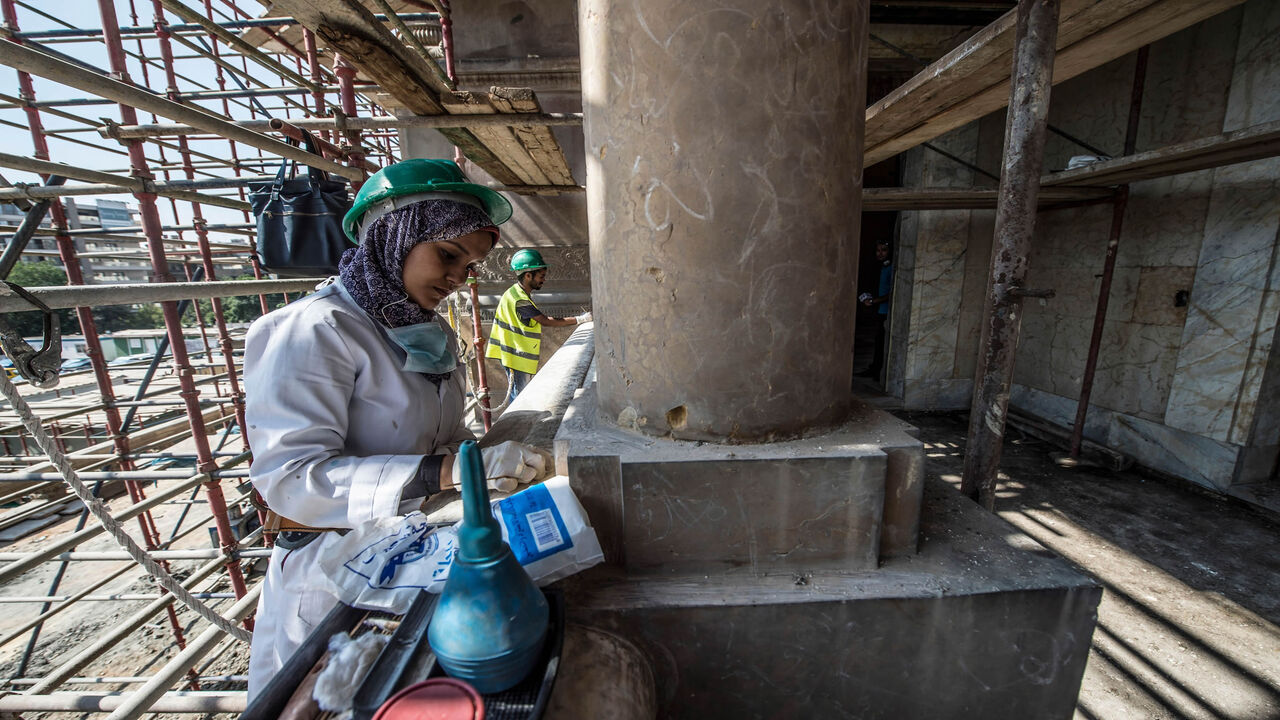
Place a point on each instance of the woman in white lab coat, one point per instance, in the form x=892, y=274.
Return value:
x=354, y=395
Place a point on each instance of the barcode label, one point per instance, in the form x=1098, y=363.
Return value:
x=545, y=533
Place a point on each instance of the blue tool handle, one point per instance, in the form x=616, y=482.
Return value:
x=480, y=536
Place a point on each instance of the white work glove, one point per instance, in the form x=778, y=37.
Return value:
x=507, y=465
x=583, y=318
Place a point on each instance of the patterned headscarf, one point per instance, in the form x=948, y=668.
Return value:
x=373, y=272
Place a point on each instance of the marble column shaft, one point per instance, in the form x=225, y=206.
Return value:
x=724, y=175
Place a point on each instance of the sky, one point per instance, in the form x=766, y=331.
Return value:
x=197, y=71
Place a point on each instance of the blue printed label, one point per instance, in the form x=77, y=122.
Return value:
x=534, y=527
x=380, y=562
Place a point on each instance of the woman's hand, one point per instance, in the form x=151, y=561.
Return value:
x=507, y=465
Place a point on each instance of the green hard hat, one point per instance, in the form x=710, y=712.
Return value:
x=526, y=260
x=415, y=177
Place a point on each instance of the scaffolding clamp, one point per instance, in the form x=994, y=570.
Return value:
x=39, y=367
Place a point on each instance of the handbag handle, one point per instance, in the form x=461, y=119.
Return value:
x=288, y=167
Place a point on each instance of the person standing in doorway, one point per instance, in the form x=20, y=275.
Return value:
x=516, y=338
x=880, y=301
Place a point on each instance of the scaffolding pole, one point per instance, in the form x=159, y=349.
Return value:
x=1023, y=161
x=359, y=123
x=130, y=96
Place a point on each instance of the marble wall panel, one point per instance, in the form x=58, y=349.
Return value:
x=1156, y=298
x=1164, y=221
x=1093, y=107
x=1186, y=455
x=1035, y=335
x=1266, y=425
x=1226, y=330
x=938, y=266
x=937, y=287
x=932, y=394
x=1188, y=77
x=1255, y=84
x=900, y=337
x=977, y=268
x=1135, y=368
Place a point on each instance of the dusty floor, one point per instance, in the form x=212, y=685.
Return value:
x=1187, y=627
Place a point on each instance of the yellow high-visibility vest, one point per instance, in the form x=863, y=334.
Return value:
x=511, y=341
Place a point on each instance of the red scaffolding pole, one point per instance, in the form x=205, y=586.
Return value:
x=88, y=327
x=173, y=327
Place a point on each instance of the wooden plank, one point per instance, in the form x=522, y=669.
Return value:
x=906, y=199
x=1252, y=143
x=979, y=63
x=886, y=118
x=1097, y=36
x=537, y=140
x=350, y=29
x=500, y=140
x=337, y=21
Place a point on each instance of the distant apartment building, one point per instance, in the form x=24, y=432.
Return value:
x=106, y=258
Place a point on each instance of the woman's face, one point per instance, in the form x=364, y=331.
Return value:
x=433, y=270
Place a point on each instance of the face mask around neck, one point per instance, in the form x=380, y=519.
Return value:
x=426, y=347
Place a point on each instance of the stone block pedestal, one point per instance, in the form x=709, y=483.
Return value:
x=839, y=500
x=819, y=577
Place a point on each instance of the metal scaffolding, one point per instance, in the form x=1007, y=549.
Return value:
x=161, y=443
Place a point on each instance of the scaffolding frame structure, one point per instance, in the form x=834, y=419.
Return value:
x=176, y=440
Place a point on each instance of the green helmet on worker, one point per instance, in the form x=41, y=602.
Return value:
x=410, y=181
x=527, y=260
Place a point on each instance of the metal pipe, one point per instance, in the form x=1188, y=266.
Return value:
x=18, y=427
x=478, y=341
x=329, y=149
x=346, y=73
x=93, y=349
x=134, y=294
x=242, y=93
x=167, y=228
x=79, y=595
x=1109, y=262
x=30, y=223
x=361, y=123
x=202, y=240
x=118, y=632
x=105, y=183
x=89, y=33
x=1022, y=162
x=65, y=543
x=129, y=96
x=313, y=62
x=156, y=688
x=113, y=456
x=147, y=475
x=189, y=702
x=118, y=555
x=126, y=679
x=246, y=49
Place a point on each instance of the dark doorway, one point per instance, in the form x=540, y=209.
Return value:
x=870, y=324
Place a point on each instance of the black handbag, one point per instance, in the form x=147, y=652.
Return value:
x=300, y=220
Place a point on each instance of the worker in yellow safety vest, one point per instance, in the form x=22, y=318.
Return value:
x=516, y=338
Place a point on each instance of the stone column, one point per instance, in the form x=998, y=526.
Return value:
x=724, y=174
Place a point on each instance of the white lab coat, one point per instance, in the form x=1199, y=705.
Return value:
x=338, y=428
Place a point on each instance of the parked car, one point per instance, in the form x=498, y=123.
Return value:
x=79, y=363
x=129, y=360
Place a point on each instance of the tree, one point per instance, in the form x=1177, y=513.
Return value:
x=111, y=318
x=39, y=274
x=243, y=309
